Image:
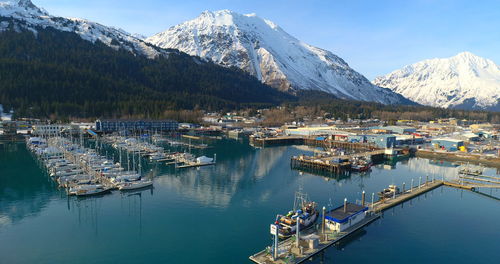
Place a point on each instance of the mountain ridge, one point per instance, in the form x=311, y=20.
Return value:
x=263, y=49
x=26, y=15
x=464, y=81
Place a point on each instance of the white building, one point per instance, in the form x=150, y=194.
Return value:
x=48, y=130
x=343, y=217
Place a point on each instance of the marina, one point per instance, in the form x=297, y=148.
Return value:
x=181, y=190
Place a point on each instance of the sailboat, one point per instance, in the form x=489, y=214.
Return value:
x=133, y=185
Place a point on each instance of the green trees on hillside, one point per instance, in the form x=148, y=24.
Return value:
x=58, y=73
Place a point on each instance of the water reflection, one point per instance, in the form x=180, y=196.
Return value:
x=216, y=185
x=23, y=191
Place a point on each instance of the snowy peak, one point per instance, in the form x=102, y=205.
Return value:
x=261, y=48
x=462, y=81
x=24, y=15
x=19, y=7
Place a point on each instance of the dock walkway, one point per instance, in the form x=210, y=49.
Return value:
x=285, y=256
x=406, y=195
x=289, y=253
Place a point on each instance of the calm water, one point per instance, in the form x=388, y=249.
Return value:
x=222, y=214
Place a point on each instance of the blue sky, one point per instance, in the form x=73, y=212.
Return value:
x=374, y=37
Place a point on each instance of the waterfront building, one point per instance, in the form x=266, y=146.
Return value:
x=114, y=125
x=48, y=130
x=382, y=141
x=343, y=217
x=449, y=144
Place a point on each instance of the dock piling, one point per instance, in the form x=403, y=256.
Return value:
x=276, y=239
x=363, y=199
x=411, y=188
x=297, y=242
x=420, y=182
x=323, y=223
x=404, y=187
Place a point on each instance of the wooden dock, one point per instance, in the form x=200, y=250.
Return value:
x=318, y=164
x=325, y=163
x=288, y=253
x=458, y=185
x=276, y=141
x=311, y=141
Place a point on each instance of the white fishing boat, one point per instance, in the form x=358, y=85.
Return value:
x=304, y=213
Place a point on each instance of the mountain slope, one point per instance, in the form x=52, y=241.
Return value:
x=266, y=51
x=464, y=81
x=54, y=72
x=25, y=15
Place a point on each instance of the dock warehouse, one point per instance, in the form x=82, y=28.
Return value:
x=449, y=144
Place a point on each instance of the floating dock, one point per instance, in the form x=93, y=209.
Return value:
x=289, y=253
x=193, y=165
x=404, y=196
x=302, y=254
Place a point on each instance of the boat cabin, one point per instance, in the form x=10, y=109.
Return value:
x=343, y=217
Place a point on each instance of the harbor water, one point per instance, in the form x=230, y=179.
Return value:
x=221, y=213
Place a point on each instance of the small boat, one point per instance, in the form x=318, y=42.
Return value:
x=361, y=164
x=95, y=191
x=306, y=214
x=135, y=185
x=84, y=188
x=470, y=170
x=389, y=192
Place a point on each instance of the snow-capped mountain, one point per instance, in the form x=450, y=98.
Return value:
x=263, y=49
x=23, y=14
x=463, y=81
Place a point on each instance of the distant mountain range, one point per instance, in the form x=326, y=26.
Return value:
x=263, y=49
x=129, y=66
x=464, y=81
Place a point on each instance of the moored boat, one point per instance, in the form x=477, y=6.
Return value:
x=389, y=192
x=135, y=185
x=304, y=212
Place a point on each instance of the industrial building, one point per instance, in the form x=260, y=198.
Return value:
x=449, y=144
x=400, y=129
x=382, y=141
x=408, y=140
x=114, y=125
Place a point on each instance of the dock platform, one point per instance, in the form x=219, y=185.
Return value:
x=406, y=195
x=286, y=247
x=195, y=165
